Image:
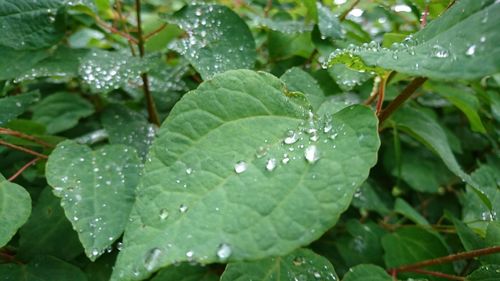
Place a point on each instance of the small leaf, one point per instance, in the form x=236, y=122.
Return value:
x=42, y=268
x=15, y=209
x=226, y=173
x=301, y=264
x=347, y=78
x=407, y=210
x=460, y=44
x=28, y=25
x=328, y=23
x=41, y=235
x=298, y=80
x=13, y=106
x=185, y=272
x=96, y=188
x=219, y=40
x=367, y=272
x=61, y=111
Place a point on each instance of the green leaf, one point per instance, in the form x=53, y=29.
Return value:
x=298, y=80
x=15, y=209
x=461, y=44
x=219, y=40
x=185, y=272
x=370, y=198
x=312, y=9
x=284, y=45
x=221, y=173
x=338, y=102
x=104, y=71
x=14, y=63
x=367, y=272
x=301, y=264
x=464, y=99
x=41, y=235
x=283, y=25
x=61, y=111
x=13, y=106
x=138, y=134
x=63, y=62
x=42, y=268
x=28, y=25
x=407, y=210
x=328, y=23
x=347, y=78
x=413, y=244
x=96, y=189
x=485, y=273
x=426, y=130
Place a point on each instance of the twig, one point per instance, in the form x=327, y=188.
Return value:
x=154, y=32
x=116, y=31
x=23, y=168
x=447, y=259
x=5, y=131
x=398, y=101
x=124, y=24
x=346, y=12
x=438, y=274
x=23, y=149
x=381, y=95
x=423, y=20
x=268, y=7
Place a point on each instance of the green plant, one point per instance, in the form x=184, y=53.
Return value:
x=151, y=140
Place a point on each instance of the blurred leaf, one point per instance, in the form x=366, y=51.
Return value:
x=301, y=264
x=42, y=234
x=14, y=63
x=28, y=25
x=97, y=190
x=464, y=99
x=61, y=111
x=13, y=106
x=367, y=272
x=42, y=268
x=218, y=39
x=328, y=23
x=15, y=209
x=369, y=197
x=485, y=273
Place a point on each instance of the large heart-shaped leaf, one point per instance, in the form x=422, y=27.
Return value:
x=240, y=171
x=218, y=39
x=461, y=44
x=15, y=209
x=96, y=189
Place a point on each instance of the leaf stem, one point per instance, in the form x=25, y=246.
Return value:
x=152, y=113
x=154, y=32
x=381, y=95
x=23, y=168
x=447, y=259
x=118, y=5
x=399, y=100
x=438, y=274
x=105, y=25
x=5, y=131
x=23, y=149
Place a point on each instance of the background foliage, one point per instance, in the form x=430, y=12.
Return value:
x=249, y=140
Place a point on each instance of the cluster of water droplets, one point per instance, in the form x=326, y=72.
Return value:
x=105, y=71
x=304, y=269
x=299, y=144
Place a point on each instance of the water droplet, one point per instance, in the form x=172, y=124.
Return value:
x=261, y=152
x=95, y=252
x=471, y=50
x=439, y=52
x=240, y=167
x=328, y=128
x=189, y=171
x=151, y=258
x=271, y=164
x=190, y=255
x=311, y=154
x=119, y=246
x=183, y=208
x=285, y=159
x=163, y=214
x=291, y=137
x=224, y=251
x=298, y=261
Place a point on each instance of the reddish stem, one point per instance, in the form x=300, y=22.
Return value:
x=423, y=20
x=381, y=95
x=438, y=274
x=23, y=149
x=154, y=32
x=115, y=30
x=5, y=131
x=23, y=168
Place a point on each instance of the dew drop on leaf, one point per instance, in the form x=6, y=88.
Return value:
x=224, y=251
x=271, y=164
x=261, y=152
x=291, y=137
x=151, y=258
x=163, y=214
x=240, y=167
x=311, y=154
x=183, y=208
x=471, y=50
